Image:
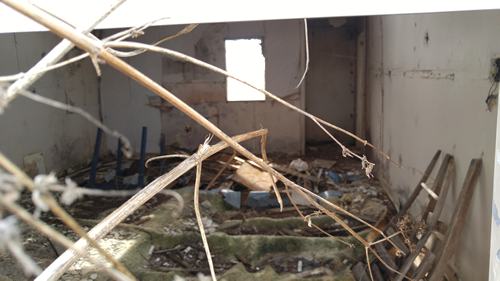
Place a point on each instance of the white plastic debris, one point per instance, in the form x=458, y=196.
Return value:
x=299, y=165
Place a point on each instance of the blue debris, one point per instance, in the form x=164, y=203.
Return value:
x=335, y=177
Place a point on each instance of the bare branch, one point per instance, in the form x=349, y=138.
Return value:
x=49, y=200
x=55, y=235
x=198, y=216
x=306, y=39
x=52, y=57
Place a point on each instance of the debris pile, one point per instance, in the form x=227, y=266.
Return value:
x=244, y=185
x=421, y=245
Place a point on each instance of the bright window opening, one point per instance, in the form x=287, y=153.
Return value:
x=244, y=59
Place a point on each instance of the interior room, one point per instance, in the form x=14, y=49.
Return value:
x=311, y=147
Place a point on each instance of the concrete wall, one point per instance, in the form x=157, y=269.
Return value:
x=127, y=106
x=330, y=83
x=26, y=127
x=427, y=83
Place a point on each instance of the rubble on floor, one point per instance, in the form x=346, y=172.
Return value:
x=249, y=236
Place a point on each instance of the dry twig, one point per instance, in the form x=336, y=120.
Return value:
x=25, y=80
x=48, y=200
x=198, y=213
x=55, y=235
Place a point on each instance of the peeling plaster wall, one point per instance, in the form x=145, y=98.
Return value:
x=427, y=82
x=26, y=127
x=128, y=106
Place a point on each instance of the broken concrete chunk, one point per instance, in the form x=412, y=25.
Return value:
x=298, y=198
x=253, y=178
x=299, y=165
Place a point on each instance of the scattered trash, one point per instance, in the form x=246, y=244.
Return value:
x=260, y=199
x=233, y=198
x=253, y=178
x=345, y=177
x=243, y=204
x=335, y=177
x=328, y=194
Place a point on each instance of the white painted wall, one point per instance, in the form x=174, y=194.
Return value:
x=495, y=218
x=126, y=104
x=65, y=139
x=425, y=96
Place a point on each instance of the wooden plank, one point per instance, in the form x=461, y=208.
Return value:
x=418, y=188
x=425, y=266
x=397, y=240
x=444, y=179
x=413, y=196
x=438, y=183
x=443, y=193
x=458, y=221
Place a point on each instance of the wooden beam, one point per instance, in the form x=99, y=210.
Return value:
x=418, y=188
x=445, y=171
x=436, y=187
x=457, y=223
